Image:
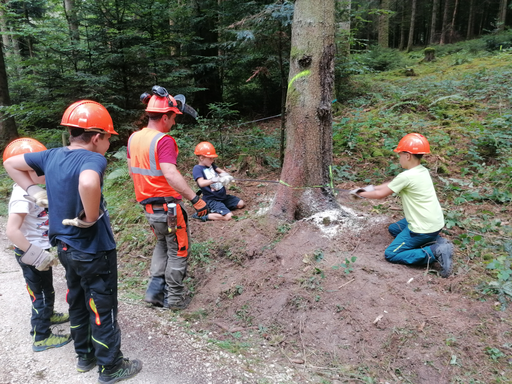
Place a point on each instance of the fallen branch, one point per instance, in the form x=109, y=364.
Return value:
x=348, y=282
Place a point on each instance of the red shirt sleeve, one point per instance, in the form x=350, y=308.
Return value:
x=166, y=150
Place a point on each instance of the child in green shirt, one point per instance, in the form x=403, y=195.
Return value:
x=417, y=240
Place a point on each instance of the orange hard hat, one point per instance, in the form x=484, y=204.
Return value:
x=23, y=145
x=413, y=143
x=89, y=115
x=160, y=101
x=205, y=149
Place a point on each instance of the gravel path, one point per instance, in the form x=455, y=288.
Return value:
x=169, y=354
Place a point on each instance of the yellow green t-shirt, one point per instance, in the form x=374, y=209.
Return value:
x=419, y=200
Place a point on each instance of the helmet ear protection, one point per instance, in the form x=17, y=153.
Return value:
x=156, y=101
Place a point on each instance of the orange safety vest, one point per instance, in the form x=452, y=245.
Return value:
x=148, y=178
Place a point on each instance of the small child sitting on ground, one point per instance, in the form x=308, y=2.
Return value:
x=417, y=240
x=212, y=180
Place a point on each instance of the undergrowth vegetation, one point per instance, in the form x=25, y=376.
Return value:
x=462, y=103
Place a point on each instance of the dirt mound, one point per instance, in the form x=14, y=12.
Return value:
x=321, y=290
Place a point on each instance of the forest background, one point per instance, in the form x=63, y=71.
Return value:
x=441, y=68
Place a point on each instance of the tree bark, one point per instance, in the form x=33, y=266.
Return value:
x=72, y=19
x=433, y=21
x=8, y=130
x=411, y=28
x=444, y=27
x=401, y=43
x=4, y=29
x=308, y=152
x=502, y=16
x=471, y=19
x=383, y=37
x=452, y=25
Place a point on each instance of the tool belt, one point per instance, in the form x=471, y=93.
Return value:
x=158, y=203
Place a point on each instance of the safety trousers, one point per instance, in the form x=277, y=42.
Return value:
x=42, y=294
x=92, y=299
x=409, y=247
x=170, y=256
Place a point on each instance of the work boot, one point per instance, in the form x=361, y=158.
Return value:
x=156, y=300
x=443, y=252
x=181, y=303
x=202, y=218
x=85, y=364
x=59, y=318
x=125, y=370
x=52, y=341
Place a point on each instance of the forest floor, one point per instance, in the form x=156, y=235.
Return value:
x=320, y=291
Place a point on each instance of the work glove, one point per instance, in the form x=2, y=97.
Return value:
x=354, y=193
x=226, y=179
x=39, y=258
x=79, y=222
x=199, y=206
x=37, y=195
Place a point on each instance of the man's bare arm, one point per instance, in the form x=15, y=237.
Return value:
x=177, y=181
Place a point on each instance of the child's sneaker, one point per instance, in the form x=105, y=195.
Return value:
x=85, y=364
x=125, y=370
x=202, y=218
x=59, y=318
x=443, y=251
x=52, y=341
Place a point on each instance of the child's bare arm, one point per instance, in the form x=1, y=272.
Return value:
x=18, y=168
x=202, y=182
x=13, y=231
x=380, y=192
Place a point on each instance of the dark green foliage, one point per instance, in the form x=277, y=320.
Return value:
x=497, y=42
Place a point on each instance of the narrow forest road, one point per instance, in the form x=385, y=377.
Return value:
x=169, y=354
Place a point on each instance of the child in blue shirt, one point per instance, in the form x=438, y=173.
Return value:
x=212, y=180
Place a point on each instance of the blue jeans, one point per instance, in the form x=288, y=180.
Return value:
x=409, y=247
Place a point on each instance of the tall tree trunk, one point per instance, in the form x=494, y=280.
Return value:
x=72, y=19
x=8, y=130
x=4, y=29
x=433, y=21
x=411, y=27
x=343, y=28
x=309, y=116
x=452, y=25
x=403, y=29
x=383, y=38
x=502, y=15
x=471, y=19
x=444, y=26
